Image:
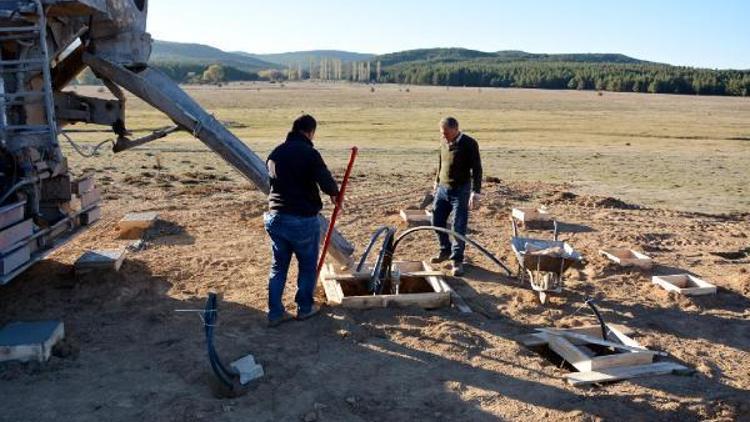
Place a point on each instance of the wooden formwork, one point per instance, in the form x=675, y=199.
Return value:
x=628, y=257
x=533, y=218
x=419, y=286
x=598, y=360
x=685, y=284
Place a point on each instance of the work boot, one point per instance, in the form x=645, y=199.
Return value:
x=444, y=256
x=315, y=310
x=272, y=323
x=457, y=268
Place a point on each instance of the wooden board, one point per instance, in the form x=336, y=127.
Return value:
x=623, y=373
x=134, y=225
x=538, y=339
x=83, y=185
x=685, y=284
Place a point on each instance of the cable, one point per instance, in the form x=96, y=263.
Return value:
x=210, y=315
x=603, y=326
x=79, y=149
x=456, y=235
x=367, y=251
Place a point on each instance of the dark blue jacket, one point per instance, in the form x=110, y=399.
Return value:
x=297, y=170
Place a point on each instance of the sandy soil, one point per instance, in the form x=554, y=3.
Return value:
x=130, y=356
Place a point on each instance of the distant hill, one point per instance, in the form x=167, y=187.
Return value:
x=183, y=53
x=453, y=55
x=303, y=57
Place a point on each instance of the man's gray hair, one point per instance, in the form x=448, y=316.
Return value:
x=449, y=122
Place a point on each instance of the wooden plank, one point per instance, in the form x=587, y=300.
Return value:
x=423, y=300
x=538, y=339
x=622, y=373
x=83, y=185
x=598, y=341
x=569, y=352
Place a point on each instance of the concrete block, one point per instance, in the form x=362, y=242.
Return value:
x=12, y=260
x=90, y=198
x=133, y=225
x=30, y=341
x=83, y=185
x=11, y=214
x=10, y=236
x=105, y=260
x=90, y=217
x=247, y=369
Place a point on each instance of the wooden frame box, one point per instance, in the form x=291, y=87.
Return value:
x=534, y=218
x=628, y=257
x=684, y=284
x=419, y=286
x=415, y=218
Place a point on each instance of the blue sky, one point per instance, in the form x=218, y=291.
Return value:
x=713, y=34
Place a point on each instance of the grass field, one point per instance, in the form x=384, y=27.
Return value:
x=688, y=153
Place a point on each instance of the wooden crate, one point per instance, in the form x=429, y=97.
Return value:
x=628, y=257
x=419, y=286
x=685, y=284
x=416, y=218
x=533, y=218
x=134, y=225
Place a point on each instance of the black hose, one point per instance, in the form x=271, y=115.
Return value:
x=454, y=234
x=210, y=315
x=590, y=303
x=367, y=251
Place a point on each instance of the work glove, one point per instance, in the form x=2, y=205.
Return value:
x=475, y=200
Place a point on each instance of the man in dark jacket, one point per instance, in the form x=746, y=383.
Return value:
x=298, y=173
x=458, y=185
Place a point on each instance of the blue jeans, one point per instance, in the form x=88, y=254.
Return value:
x=291, y=234
x=449, y=200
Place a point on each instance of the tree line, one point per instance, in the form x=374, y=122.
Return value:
x=617, y=77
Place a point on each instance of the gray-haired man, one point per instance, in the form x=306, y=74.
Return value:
x=458, y=184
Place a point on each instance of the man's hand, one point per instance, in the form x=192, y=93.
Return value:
x=475, y=200
x=341, y=208
x=333, y=199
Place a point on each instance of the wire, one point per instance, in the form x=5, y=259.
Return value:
x=209, y=317
x=80, y=149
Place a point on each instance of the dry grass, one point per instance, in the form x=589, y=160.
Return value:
x=689, y=153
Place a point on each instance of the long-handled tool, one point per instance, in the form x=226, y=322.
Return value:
x=336, y=210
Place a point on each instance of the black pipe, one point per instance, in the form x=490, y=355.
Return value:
x=367, y=251
x=210, y=315
x=454, y=234
x=590, y=303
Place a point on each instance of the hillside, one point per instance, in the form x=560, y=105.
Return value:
x=452, y=55
x=184, y=53
x=303, y=57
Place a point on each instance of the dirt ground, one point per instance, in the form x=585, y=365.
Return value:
x=129, y=356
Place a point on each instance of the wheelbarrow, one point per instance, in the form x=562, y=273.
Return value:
x=543, y=262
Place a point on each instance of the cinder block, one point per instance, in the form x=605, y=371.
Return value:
x=14, y=234
x=133, y=225
x=105, y=260
x=30, y=341
x=90, y=217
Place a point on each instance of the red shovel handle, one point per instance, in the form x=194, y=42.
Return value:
x=336, y=209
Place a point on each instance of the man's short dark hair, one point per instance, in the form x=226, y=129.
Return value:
x=305, y=123
x=449, y=122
